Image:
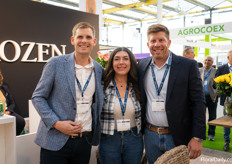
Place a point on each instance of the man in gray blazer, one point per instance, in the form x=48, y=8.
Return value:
x=69, y=98
x=207, y=76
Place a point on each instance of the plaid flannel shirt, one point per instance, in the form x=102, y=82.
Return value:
x=107, y=115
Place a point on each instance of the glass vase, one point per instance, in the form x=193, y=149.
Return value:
x=228, y=106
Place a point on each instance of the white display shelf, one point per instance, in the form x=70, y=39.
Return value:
x=7, y=140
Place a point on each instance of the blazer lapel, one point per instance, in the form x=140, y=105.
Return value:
x=145, y=67
x=97, y=72
x=202, y=75
x=172, y=75
x=70, y=73
x=226, y=69
x=211, y=76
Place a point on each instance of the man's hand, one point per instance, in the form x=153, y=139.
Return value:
x=68, y=127
x=7, y=112
x=194, y=148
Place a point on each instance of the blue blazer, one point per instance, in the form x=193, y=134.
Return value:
x=185, y=100
x=55, y=99
x=222, y=70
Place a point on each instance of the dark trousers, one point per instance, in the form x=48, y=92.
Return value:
x=75, y=151
x=212, y=109
x=20, y=122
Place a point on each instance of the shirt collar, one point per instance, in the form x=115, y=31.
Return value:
x=90, y=65
x=166, y=62
x=229, y=65
x=208, y=70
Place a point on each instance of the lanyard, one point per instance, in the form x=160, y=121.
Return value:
x=123, y=106
x=230, y=69
x=86, y=84
x=206, y=74
x=158, y=89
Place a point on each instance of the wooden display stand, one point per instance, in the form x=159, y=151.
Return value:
x=7, y=140
x=225, y=121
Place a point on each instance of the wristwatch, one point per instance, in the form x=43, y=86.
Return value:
x=198, y=139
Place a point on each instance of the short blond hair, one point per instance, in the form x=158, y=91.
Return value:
x=82, y=25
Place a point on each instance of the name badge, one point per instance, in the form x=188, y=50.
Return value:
x=82, y=107
x=123, y=125
x=158, y=105
x=206, y=82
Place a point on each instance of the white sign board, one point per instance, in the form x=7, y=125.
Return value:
x=201, y=30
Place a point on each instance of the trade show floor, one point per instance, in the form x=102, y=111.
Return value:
x=212, y=156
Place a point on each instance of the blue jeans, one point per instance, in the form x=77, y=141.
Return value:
x=226, y=132
x=121, y=148
x=156, y=144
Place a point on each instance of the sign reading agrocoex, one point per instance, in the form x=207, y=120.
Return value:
x=201, y=30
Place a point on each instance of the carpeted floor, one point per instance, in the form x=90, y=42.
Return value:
x=218, y=143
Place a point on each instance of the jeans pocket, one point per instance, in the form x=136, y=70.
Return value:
x=135, y=134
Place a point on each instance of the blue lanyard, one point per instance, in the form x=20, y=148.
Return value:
x=206, y=74
x=123, y=106
x=158, y=89
x=86, y=84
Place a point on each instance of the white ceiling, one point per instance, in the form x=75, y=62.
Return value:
x=126, y=11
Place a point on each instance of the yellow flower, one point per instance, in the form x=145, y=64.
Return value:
x=222, y=78
x=227, y=79
x=217, y=80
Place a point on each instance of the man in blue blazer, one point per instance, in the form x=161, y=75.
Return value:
x=69, y=99
x=222, y=70
x=173, y=103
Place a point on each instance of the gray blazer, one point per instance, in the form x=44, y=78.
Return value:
x=212, y=91
x=55, y=99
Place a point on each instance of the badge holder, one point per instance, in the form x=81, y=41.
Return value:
x=123, y=125
x=158, y=105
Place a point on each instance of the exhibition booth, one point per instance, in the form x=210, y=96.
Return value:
x=32, y=33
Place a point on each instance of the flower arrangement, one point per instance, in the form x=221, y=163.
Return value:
x=102, y=59
x=224, y=84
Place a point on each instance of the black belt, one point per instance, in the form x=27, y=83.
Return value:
x=81, y=134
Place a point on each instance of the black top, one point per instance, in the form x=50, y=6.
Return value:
x=9, y=98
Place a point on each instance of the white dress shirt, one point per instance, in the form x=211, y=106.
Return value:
x=154, y=117
x=82, y=74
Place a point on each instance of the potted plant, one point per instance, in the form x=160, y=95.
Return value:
x=224, y=87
